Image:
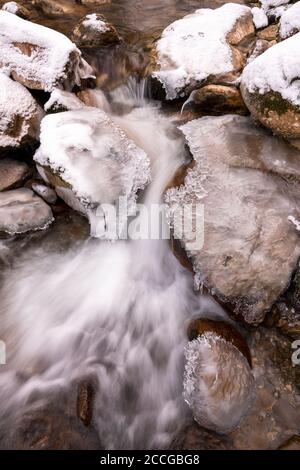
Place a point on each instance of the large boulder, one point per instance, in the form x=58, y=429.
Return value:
x=248, y=184
x=95, y=31
x=90, y=161
x=22, y=211
x=20, y=115
x=203, y=47
x=270, y=88
x=38, y=57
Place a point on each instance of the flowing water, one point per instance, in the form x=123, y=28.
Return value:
x=114, y=311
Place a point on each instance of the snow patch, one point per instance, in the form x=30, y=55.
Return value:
x=195, y=47
x=63, y=100
x=260, y=18
x=93, y=22
x=290, y=21
x=11, y=7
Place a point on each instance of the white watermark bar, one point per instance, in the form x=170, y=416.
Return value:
x=150, y=222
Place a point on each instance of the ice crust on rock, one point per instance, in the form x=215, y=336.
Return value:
x=95, y=23
x=61, y=100
x=218, y=383
x=248, y=182
x=94, y=157
x=193, y=48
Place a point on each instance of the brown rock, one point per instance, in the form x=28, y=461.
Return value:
x=54, y=7
x=269, y=34
x=12, y=173
x=219, y=99
x=291, y=444
x=94, y=31
x=85, y=401
x=193, y=437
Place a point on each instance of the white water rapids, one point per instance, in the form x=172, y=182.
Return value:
x=117, y=311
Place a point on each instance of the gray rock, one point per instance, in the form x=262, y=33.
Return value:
x=12, y=173
x=22, y=211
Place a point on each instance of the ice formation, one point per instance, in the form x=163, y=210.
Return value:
x=218, y=383
x=246, y=233
x=94, y=157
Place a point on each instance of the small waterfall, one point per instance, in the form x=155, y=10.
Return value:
x=114, y=311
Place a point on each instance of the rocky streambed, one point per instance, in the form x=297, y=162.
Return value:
x=117, y=339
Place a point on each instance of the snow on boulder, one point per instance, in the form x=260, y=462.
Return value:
x=90, y=161
x=39, y=57
x=203, y=46
x=95, y=31
x=22, y=211
x=271, y=90
x=290, y=21
x=248, y=183
x=20, y=115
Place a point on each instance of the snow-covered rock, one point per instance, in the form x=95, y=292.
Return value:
x=39, y=57
x=20, y=115
x=248, y=184
x=21, y=211
x=61, y=100
x=218, y=383
x=271, y=90
x=90, y=161
x=16, y=9
x=12, y=173
x=290, y=21
x=203, y=46
x=95, y=31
